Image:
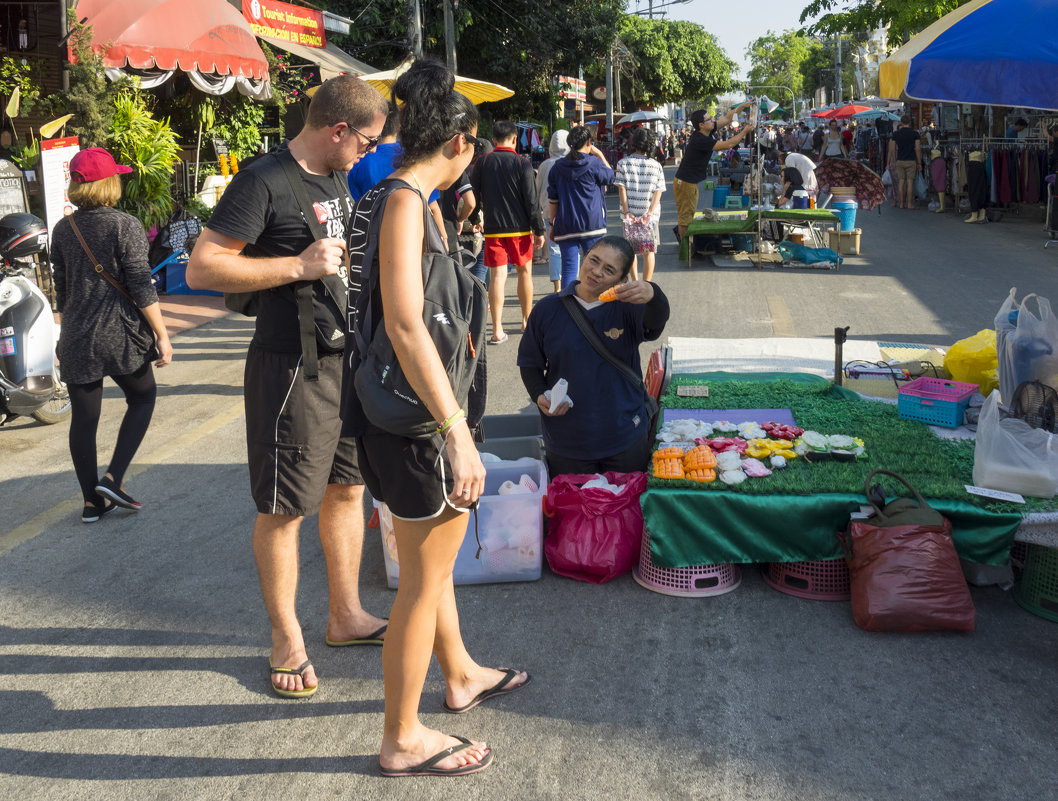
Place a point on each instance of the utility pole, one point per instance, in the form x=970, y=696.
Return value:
x=414, y=29
x=609, y=92
x=584, y=100
x=837, y=71
x=450, y=35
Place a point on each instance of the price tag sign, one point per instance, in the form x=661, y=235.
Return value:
x=692, y=391
x=984, y=492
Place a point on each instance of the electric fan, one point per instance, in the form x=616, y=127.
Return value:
x=1036, y=404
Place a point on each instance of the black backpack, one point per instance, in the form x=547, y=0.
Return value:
x=455, y=306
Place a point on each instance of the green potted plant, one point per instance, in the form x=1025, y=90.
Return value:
x=150, y=147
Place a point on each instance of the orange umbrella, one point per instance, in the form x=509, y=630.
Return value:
x=846, y=111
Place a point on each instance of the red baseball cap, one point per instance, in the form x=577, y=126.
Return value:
x=94, y=164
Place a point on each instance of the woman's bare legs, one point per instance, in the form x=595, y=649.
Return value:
x=421, y=621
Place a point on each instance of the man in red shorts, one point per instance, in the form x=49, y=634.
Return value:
x=504, y=183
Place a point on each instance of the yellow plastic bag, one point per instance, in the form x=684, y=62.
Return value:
x=973, y=360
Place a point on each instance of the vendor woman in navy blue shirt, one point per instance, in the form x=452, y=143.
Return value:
x=606, y=428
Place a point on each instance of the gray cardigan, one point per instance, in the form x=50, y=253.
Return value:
x=102, y=334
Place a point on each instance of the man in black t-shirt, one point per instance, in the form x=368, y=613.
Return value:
x=694, y=167
x=905, y=158
x=258, y=240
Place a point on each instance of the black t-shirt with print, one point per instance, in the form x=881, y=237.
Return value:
x=259, y=208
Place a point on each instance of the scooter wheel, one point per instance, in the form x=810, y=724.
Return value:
x=57, y=409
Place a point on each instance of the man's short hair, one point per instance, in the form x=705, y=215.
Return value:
x=345, y=99
x=1021, y=122
x=698, y=117
x=906, y=120
x=504, y=130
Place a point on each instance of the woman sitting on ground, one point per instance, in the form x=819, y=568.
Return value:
x=606, y=426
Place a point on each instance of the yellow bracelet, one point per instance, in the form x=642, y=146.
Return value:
x=447, y=424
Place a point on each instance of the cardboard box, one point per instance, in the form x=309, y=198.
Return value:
x=845, y=242
x=511, y=528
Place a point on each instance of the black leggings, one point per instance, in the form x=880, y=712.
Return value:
x=86, y=401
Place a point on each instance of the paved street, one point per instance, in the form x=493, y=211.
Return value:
x=133, y=652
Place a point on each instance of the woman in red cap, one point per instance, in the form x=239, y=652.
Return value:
x=111, y=324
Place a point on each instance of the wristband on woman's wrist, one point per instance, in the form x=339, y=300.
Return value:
x=457, y=415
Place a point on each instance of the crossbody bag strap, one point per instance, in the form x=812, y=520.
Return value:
x=95, y=262
x=303, y=291
x=590, y=334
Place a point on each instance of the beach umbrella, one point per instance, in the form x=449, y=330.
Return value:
x=641, y=116
x=994, y=52
x=865, y=182
x=474, y=90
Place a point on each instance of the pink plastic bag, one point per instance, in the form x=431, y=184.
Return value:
x=594, y=535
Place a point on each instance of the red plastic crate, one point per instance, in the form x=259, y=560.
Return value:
x=935, y=401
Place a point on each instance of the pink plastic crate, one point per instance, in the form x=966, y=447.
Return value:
x=697, y=581
x=935, y=401
x=818, y=581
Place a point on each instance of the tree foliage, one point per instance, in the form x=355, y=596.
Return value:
x=776, y=58
x=904, y=18
x=91, y=97
x=521, y=44
x=673, y=61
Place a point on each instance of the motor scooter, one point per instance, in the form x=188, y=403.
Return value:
x=29, y=377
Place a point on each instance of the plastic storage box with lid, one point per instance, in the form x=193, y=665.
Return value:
x=510, y=528
x=935, y=401
x=720, y=195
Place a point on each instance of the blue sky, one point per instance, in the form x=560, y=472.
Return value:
x=735, y=24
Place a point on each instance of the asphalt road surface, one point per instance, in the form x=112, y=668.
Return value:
x=133, y=652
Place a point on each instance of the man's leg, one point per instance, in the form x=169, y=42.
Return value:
x=525, y=290
x=342, y=536
x=275, y=547
x=497, y=284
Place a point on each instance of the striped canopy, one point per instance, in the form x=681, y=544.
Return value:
x=995, y=52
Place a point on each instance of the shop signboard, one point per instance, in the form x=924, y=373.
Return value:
x=286, y=22
x=55, y=155
x=13, y=199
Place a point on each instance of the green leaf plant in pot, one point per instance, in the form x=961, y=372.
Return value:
x=150, y=147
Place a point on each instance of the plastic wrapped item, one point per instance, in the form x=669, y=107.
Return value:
x=557, y=394
x=729, y=460
x=973, y=361
x=1012, y=456
x=594, y=535
x=1026, y=344
x=733, y=477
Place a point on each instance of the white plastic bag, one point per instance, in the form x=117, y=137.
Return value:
x=1012, y=456
x=1026, y=343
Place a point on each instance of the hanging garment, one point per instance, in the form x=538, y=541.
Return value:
x=938, y=170
x=977, y=182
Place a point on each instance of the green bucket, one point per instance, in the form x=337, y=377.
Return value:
x=1038, y=589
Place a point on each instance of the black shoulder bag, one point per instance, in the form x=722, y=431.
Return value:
x=590, y=334
x=321, y=303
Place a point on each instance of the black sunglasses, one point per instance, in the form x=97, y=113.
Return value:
x=470, y=140
x=372, y=141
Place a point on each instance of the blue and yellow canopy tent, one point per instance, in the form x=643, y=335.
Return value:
x=993, y=52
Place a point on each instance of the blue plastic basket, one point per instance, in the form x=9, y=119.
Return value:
x=720, y=194
x=935, y=401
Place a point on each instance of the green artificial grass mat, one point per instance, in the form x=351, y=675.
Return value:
x=937, y=468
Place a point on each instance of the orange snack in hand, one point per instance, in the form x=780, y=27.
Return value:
x=609, y=295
